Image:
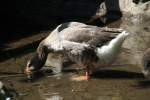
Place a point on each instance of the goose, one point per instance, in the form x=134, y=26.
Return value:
x=87, y=45
x=146, y=63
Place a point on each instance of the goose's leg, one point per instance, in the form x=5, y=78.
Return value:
x=85, y=77
x=86, y=70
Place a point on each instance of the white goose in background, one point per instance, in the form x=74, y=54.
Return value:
x=146, y=63
x=89, y=46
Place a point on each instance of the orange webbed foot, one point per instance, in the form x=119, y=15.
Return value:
x=80, y=78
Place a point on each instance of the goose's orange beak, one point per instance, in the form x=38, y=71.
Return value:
x=27, y=72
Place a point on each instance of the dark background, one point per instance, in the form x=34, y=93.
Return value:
x=20, y=18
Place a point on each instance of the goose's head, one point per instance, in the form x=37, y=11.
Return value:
x=146, y=70
x=33, y=65
x=37, y=61
x=146, y=63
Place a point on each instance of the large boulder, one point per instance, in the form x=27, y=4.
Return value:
x=139, y=7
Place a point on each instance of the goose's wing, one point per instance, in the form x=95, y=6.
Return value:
x=80, y=33
x=88, y=34
x=101, y=39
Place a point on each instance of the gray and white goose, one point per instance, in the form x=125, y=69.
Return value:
x=86, y=45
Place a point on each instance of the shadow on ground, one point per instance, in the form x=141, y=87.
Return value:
x=142, y=84
x=117, y=74
x=102, y=74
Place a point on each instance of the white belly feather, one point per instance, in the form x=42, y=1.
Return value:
x=108, y=53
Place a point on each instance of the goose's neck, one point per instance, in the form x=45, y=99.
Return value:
x=108, y=52
x=42, y=53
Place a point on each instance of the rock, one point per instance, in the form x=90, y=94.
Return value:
x=3, y=94
x=7, y=92
x=100, y=14
x=128, y=6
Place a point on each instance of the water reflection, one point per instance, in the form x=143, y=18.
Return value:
x=54, y=97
